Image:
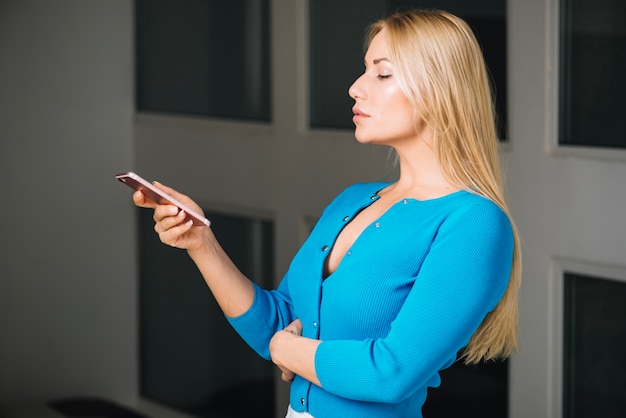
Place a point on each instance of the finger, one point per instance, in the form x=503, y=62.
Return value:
x=172, y=192
x=179, y=196
x=161, y=212
x=295, y=327
x=298, y=326
x=140, y=200
x=166, y=218
x=287, y=376
x=174, y=237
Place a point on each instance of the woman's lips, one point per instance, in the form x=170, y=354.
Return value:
x=358, y=114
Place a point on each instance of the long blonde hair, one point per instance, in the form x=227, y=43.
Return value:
x=440, y=67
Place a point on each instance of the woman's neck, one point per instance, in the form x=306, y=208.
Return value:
x=421, y=176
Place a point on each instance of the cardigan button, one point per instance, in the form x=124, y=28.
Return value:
x=302, y=401
x=325, y=248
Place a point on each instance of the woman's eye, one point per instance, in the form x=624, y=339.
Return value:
x=384, y=76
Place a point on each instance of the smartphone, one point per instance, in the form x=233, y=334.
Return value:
x=158, y=196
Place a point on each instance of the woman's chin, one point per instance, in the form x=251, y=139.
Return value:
x=361, y=138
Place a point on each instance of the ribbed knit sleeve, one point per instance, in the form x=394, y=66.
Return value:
x=461, y=278
x=270, y=312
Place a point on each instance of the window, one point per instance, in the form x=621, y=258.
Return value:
x=592, y=68
x=594, y=342
x=337, y=31
x=191, y=60
x=470, y=391
x=190, y=357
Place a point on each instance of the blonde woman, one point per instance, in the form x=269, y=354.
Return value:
x=396, y=278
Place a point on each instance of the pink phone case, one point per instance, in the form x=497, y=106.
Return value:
x=136, y=182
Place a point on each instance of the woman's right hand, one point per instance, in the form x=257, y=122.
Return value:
x=232, y=290
x=170, y=221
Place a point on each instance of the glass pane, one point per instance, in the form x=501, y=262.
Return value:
x=336, y=50
x=592, y=68
x=594, y=382
x=470, y=391
x=190, y=357
x=203, y=57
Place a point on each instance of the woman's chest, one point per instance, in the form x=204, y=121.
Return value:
x=368, y=287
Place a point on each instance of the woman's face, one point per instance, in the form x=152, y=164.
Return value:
x=382, y=112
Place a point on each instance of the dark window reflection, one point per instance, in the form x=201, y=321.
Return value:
x=190, y=357
x=594, y=343
x=592, y=68
x=203, y=57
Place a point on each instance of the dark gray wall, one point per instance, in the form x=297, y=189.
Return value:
x=67, y=253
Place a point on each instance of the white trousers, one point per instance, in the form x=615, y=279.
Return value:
x=293, y=414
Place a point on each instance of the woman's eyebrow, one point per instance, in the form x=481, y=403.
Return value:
x=376, y=61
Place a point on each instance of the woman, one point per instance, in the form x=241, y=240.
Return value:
x=396, y=278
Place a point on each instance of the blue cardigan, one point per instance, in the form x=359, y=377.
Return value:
x=406, y=297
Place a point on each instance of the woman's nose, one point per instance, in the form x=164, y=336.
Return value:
x=355, y=91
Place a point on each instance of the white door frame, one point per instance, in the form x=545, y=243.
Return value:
x=568, y=203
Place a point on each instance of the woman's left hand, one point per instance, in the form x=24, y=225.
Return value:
x=293, y=330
